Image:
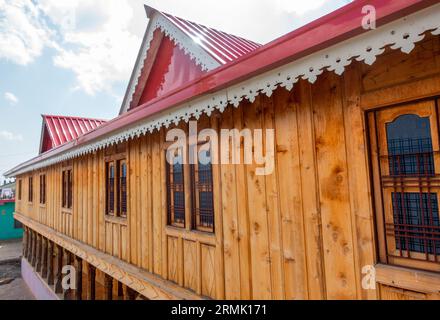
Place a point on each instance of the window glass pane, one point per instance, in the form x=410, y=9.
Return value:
x=410, y=146
x=416, y=222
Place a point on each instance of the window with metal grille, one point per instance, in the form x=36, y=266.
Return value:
x=405, y=163
x=20, y=189
x=110, y=187
x=43, y=189
x=67, y=189
x=116, y=187
x=122, y=187
x=416, y=222
x=31, y=189
x=202, y=196
x=176, y=193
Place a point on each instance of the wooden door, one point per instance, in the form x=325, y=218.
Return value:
x=406, y=168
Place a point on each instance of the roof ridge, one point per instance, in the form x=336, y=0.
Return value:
x=72, y=117
x=211, y=28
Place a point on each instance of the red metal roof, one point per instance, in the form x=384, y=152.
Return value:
x=222, y=46
x=62, y=129
x=331, y=29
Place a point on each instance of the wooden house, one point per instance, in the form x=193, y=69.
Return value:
x=349, y=211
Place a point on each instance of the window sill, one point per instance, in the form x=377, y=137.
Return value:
x=114, y=219
x=406, y=278
x=66, y=211
x=193, y=235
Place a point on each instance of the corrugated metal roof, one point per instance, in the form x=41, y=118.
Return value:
x=222, y=46
x=62, y=129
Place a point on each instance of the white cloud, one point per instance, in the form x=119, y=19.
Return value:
x=23, y=34
x=99, y=40
x=11, y=98
x=9, y=136
x=299, y=7
x=96, y=43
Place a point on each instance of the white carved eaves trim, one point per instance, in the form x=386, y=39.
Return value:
x=184, y=42
x=401, y=34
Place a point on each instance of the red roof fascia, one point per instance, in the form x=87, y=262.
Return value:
x=333, y=28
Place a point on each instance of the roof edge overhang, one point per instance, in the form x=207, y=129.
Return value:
x=331, y=43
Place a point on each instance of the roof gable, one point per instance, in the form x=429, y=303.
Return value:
x=57, y=130
x=204, y=47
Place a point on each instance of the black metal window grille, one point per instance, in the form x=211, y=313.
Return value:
x=202, y=197
x=416, y=222
x=176, y=193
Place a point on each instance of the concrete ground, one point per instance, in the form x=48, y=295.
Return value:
x=12, y=286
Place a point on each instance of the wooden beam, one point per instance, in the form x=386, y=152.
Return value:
x=108, y=287
x=59, y=275
x=91, y=277
x=34, y=249
x=44, y=253
x=67, y=262
x=38, y=254
x=410, y=279
x=149, y=285
x=129, y=294
x=78, y=279
x=50, y=279
x=25, y=241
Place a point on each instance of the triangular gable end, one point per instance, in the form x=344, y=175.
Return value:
x=57, y=130
x=166, y=68
x=175, y=51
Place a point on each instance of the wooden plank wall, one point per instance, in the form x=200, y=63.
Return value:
x=304, y=232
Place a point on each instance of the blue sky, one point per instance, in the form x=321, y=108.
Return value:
x=75, y=57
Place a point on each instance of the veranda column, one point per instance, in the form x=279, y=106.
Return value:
x=26, y=244
x=120, y=291
x=34, y=249
x=59, y=275
x=68, y=262
x=25, y=240
x=50, y=278
x=44, y=259
x=78, y=278
x=91, y=282
x=129, y=293
x=38, y=262
x=108, y=284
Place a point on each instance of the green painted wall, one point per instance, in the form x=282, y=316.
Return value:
x=7, y=230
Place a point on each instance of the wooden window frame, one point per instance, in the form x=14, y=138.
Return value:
x=171, y=217
x=196, y=188
x=43, y=189
x=382, y=183
x=20, y=189
x=190, y=197
x=67, y=189
x=117, y=160
x=30, y=189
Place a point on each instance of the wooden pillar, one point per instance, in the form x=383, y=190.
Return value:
x=44, y=259
x=29, y=245
x=38, y=254
x=50, y=279
x=108, y=284
x=91, y=282
x=68, y=261
x=34, y=249
x=120, y=291
x=129, y=293
x=59, y=275
x=78, y=278
x=24, y=242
